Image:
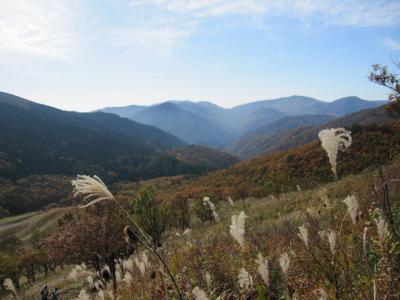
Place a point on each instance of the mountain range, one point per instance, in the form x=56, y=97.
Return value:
x=301, y=130
x=39, y=139
x=205, y=123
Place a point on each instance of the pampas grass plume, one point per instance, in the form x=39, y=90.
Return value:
x=237, y=227
x=9, y=286
x=92, y=188
x=332, y=141
x=199, y=294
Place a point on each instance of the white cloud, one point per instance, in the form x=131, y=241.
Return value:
x=159, y=25
x=391, y=43
x=40, y=28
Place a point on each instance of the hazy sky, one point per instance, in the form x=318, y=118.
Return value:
x=87, y=54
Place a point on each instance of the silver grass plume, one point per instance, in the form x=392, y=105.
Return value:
x=90, y=280
x=332, y=241
x=382, y=228
x=100, y=295
x=245, y=281
x=199, y=294
x=230, y=201
x=262, y=268
x=303, y=235
x=141, y=262
x=118, y=277
x=83, y=295
x=365, y=240
x=321, y=294
x=92, y=188
x=210, y=205
x=331, y=236
x=352, y=207
x=187, y=231
x=9, y=286
x=127, y=264
x=237, y=227
x=332, y=141
x=284, y=262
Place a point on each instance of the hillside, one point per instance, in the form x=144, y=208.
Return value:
x=208, y=124
x=209, y=246
x=30, y=226
x=203, y=156
x=251, y=146
x=38, y=139
x=251, y=142
x=304, y=165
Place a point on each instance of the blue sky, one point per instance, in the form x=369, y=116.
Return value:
x=87, y=54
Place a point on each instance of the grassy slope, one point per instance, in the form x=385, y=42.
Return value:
x=305, y=165
x=271, y=227
x=27, y=225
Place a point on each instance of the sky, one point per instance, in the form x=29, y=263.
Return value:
x=87, y=54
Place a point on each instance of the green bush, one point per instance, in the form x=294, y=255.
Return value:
x=151, y=216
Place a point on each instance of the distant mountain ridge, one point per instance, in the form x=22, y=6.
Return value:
x=39, y=139
x=208, y=124
x=254, y=145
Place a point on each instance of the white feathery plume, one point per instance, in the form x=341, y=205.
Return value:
x=90, y=280
x=9, y=286
x=331, y=236
x=284, y=262
x=118, y=276
x=208, y=279
x=321, y=294
x=92, y=188
x=230, y=201
x=99, y=284
x=332, y=240
x=73, y=275
x=199, y=294
x=187, y=231
x=141, y=261
x=322, y=234
x=352, y=207
x=332, y=141
x=127, y=264
x=209, y=204
x=365, y=240
x=83, y=295
x=262, y=268
x=245, y=281
x=127, y=278
x=83, y=267
x=298, y=188
x=303, y=235
x=100, y=295
x=382, y=229
x=237, y=227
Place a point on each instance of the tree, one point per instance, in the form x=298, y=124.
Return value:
x=94, y=235
x=151, y=216
x=380, y=75
x=179, y=212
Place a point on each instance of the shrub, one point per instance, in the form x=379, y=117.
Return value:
x=151, y=216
